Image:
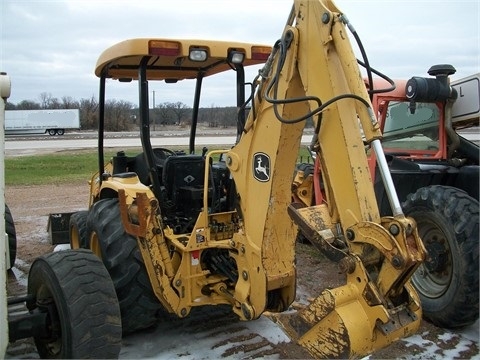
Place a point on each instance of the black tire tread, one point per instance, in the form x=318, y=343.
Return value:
x=122, y=258
x=83, y=292
x=79, y=221
x=461, y=214
x=12, y=235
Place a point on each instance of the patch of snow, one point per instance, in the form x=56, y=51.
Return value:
x=22, y=278
x=61, y=247
x=463, y=340
x=234, y=339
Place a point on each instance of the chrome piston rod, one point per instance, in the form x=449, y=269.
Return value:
x=387, y=178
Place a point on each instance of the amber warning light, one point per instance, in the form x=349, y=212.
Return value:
x=165, y=48
x=261, y=52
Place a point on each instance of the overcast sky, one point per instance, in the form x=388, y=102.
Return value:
x=51, y=46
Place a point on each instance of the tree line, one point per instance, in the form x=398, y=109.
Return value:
x=124, y=116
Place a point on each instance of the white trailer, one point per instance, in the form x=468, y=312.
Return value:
x=52, y=122
x=466, y=109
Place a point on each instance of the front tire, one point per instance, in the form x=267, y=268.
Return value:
x=12, y=235
x=447, y=282
x=122, y=258
x=78, y=230
x=83, y=317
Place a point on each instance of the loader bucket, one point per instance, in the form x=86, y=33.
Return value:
x=58, y=226
x=342, y=323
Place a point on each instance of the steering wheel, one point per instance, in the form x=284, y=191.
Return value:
x=162, y=153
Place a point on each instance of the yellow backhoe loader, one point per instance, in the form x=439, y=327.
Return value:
x=177, y=231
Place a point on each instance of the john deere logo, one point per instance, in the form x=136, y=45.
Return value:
x=188, y=179
x=261, y=167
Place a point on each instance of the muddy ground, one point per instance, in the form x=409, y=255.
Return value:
x=31, y=206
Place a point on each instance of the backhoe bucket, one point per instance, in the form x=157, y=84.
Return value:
x=349, y=322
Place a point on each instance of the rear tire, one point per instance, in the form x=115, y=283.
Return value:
x=78, y=230
x=83, y=316
x=447, y=282
x=12, y=235
x=122, y=258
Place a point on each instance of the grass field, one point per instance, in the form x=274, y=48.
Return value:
x=70, y=166
x=50, y=168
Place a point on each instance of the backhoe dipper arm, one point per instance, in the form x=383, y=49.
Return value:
x=313, y=72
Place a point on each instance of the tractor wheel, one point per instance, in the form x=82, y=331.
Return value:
x=447, y=282
x=12, y=235
x=122, y=258
x=82, y=314
x=78, y=230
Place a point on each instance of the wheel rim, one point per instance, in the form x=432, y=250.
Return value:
x=74, y=238
x=433, y=277
x=45, y=302
x=95, y=245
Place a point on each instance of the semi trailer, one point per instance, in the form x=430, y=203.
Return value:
x=51, y=122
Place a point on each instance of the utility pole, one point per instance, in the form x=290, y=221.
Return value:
x=154, y=120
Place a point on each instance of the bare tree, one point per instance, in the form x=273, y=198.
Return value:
x=210, y=116
x=229, y=116
x=10, y=106
x=47, y=101
x=88, y=113
x=27, y=105
x=180, y=110
x=117, y=115
x=69, y=103
x=165, y=114
x=219, y=116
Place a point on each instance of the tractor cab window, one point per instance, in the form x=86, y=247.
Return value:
x=411, y=130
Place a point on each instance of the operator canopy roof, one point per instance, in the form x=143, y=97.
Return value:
x=173, y=59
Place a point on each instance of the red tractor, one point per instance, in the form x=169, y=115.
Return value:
x=436, y=175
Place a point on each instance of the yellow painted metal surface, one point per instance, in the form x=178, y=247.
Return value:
x=121, y=60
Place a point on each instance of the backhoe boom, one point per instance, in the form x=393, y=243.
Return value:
x=314, y=73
